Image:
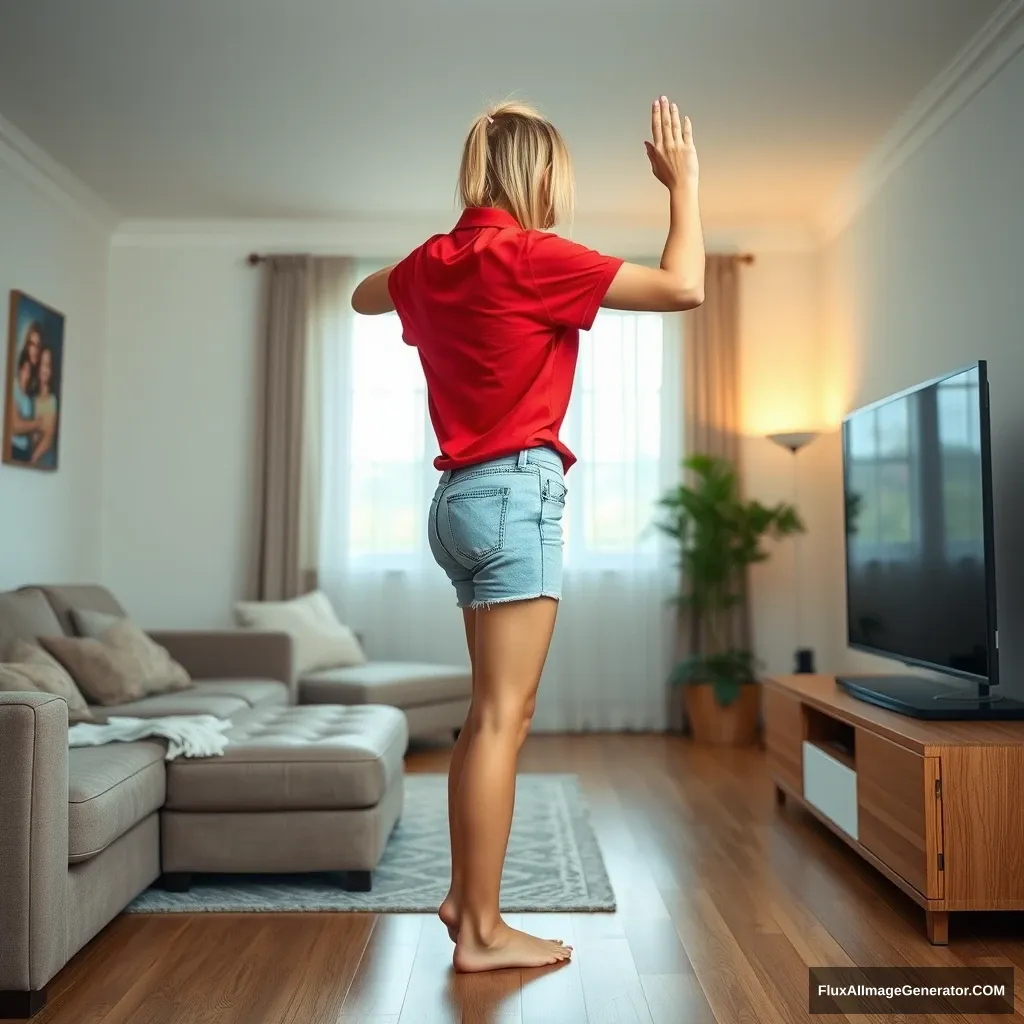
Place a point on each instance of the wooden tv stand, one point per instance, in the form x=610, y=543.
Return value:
x=936, y=807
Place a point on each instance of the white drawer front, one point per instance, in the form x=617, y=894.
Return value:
x=831, y=787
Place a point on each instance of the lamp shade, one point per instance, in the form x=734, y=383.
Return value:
x=795, y=440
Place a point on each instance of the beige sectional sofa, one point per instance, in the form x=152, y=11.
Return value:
x=84, y=830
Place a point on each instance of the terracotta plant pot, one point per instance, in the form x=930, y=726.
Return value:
x=711, y=724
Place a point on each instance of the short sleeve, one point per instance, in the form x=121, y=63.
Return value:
x=397, y=289
x=571, y=279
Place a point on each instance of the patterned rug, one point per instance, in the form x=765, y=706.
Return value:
x=553, y=863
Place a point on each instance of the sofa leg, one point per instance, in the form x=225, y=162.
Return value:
x=358, y=881
x=21, y=1005
x=176, y=881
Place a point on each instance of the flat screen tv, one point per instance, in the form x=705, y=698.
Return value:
x=920, y=562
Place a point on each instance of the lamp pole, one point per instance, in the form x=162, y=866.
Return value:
x=793, y=442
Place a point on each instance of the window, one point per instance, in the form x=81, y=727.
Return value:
x=614, y=426
x=389, y=431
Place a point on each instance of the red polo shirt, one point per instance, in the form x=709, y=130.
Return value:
x=495, y=312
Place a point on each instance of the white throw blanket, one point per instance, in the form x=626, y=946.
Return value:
x=186, y=735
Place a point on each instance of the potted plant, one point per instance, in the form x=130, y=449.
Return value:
x=719, y=535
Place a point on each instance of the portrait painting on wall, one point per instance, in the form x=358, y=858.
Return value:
x=35, y=363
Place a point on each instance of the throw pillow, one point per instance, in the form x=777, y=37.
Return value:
x=93, y=624
x=32, y=669
x=105, y=674
x=161, y=673
x=18, y=678
x=320, y=639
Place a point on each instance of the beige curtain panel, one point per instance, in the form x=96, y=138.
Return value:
x=711, y=406
x=711, y=365
x=300, y=294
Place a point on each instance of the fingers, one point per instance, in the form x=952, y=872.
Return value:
x=677, y=128
x=667, y=126
x=666, y=119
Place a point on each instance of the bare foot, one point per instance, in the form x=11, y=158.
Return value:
x=508, y=948
x=450, y=916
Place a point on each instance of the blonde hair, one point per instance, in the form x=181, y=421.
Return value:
x=515, y=159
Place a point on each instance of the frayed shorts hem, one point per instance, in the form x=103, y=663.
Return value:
x=474, y=605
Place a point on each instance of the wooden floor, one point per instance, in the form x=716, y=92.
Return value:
x=723, y=902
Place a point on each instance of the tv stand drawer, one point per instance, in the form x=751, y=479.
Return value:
x=900, y=810
x=830, y=786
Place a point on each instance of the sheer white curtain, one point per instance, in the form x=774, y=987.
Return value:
x=613, y=640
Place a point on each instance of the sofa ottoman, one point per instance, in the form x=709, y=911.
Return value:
x=298, y=789
x=435, y=698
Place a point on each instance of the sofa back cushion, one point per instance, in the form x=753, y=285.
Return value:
x=64, y=600
x=25, y=615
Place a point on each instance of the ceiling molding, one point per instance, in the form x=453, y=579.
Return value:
x=387, y=237
x=39, y=169
x=988, y=52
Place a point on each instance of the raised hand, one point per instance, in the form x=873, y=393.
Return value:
x=672, y=154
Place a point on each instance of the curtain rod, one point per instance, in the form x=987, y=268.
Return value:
x=254, y=259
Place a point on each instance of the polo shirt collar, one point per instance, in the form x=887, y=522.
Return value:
x=486, y=217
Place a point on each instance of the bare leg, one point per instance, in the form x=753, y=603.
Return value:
x=511, y=646
x=450, y=908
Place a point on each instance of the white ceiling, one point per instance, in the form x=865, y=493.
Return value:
x=343, y=108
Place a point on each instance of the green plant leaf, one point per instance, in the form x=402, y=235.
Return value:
x=718, y=535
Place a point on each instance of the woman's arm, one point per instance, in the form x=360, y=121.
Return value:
x=23, y=426
x=678, y=283
x=372, y=296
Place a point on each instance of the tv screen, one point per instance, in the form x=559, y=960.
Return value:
x=919, y=574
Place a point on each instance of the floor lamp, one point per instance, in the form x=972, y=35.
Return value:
x=793, y=442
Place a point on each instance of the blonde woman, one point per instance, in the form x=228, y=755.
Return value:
x=494, y=308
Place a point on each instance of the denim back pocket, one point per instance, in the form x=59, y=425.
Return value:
x=476, y=519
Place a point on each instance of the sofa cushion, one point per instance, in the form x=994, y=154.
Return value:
x=65, y=599
x=187, y=702
x=256, y=693
x=110, y=789
x=398, y=683
x=296, y=758
x=106, y=674
x=160, y=672
x=25, y=615
x=319, y=638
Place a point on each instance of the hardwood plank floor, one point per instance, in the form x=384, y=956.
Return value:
x=724, y=900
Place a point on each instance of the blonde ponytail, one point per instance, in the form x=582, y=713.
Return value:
x=515, y=159
x=473, y=179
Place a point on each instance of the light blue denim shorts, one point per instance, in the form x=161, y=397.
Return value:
x=496, y=528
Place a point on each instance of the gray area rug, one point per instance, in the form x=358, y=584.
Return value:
x=554, y=864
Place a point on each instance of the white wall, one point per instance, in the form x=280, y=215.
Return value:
x=782, y=358
x=930, y=277
x=50, y=522
x=179, y=424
